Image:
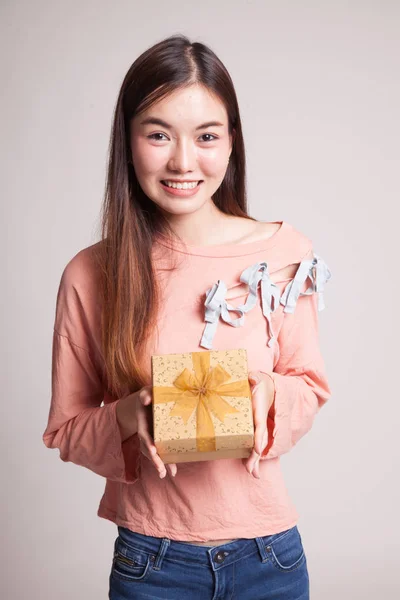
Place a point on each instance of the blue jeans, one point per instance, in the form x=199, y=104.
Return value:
x=273, y=567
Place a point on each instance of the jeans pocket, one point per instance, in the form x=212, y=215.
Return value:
x=286, y=551
x=131, y=563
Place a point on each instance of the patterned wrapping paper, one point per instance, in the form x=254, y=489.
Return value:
x=202, y=408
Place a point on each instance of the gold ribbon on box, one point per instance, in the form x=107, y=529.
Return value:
x=202, y=391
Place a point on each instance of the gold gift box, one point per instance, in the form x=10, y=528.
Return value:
x=202, y=408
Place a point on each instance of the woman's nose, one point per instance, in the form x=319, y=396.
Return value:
x=183, y=157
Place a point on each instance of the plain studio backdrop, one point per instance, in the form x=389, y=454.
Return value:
x=318, y=89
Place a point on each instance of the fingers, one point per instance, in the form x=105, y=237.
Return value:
x=252, y=463
x=260, y=414
x=256, y=469
x=172, y=469
x=260, y=427
x=260, y=432
x=145, y=395
x=147, y=446
x=254, y=377
x=150, y=451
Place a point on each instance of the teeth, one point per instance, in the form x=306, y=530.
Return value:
x=182, y=186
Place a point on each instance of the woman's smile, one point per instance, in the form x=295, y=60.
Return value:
x=184, y=189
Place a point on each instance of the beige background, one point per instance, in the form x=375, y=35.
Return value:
x=318, y=87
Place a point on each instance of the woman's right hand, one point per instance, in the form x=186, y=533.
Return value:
x=134, y=414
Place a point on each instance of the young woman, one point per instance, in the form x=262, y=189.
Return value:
x=182, y=267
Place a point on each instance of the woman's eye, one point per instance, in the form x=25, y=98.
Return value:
x=153, y=136
x=209, y=135
x=160, y=137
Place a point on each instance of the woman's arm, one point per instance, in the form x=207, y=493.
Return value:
x=86, y=433
x=301, y=386
x=100, y=438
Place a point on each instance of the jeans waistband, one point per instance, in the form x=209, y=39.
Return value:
x=218, y=556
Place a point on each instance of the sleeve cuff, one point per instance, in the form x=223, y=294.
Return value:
x=126, y=463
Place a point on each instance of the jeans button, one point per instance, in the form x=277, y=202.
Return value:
x=220, y=556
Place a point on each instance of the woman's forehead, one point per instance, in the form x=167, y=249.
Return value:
x=191, y=106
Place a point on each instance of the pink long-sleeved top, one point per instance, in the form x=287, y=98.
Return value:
x=276, y=321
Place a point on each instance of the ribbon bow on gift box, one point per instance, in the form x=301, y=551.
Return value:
x=202, y=391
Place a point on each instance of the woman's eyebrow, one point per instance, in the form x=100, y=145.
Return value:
x=155, y=121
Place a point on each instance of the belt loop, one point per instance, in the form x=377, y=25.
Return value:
x=261, y=548
x=161, y=553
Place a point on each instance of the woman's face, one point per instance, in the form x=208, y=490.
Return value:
x=183, y=137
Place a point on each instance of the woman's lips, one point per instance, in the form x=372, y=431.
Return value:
x=176, y=192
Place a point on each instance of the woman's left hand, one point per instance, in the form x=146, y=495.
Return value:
x=263, y=393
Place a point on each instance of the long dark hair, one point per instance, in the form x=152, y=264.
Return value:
x=130, y=220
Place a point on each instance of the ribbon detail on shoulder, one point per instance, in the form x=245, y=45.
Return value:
x=257, y=276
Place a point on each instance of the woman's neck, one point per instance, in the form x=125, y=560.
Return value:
x=209, y=226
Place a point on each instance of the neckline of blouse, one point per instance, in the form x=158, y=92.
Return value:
x=226, y=250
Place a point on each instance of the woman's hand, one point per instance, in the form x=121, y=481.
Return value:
x=263, y=393
x=144, y=416
x=134, y=414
